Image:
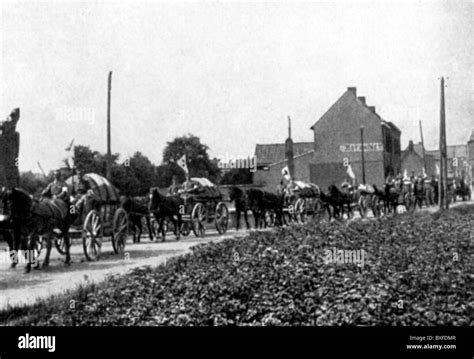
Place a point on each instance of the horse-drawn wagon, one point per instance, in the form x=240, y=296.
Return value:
x=201, y=203
x=301, y=201
x=99, y=214
x=204, y=203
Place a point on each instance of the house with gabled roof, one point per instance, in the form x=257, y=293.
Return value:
x=336, y=142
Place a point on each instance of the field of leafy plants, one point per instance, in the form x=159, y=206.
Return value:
x=416, y=272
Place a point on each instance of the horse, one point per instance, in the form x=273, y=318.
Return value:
x=343, y=199
x=239, y=198
x=33, y=218
x=10, y=230
x=391, y=195
x=137, y=208
x=419, y=192
x=463, y=191
x=260, y=201
x=164, y=207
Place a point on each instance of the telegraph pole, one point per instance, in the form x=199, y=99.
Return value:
x=108, y=174
x=423, y=147
x=362, y=152
x=443, y=201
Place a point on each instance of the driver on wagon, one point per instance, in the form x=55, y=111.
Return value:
x=57, y=188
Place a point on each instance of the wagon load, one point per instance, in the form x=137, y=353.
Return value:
x=203, y=189
x=306, y=190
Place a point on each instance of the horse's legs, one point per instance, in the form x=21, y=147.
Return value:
x=67, y=244
x=255, y=216
x=140, y=228
x=246, y=218
x=237, y=219
x=49, y=243
x=178, y=225
x=148, y=224
x=162, y=229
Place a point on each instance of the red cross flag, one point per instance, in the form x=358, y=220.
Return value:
x=182, y=163
x=286, y=173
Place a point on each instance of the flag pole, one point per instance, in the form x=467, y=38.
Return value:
x=443, y=202
x=362, y=152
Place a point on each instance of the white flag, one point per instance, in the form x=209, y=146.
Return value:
x=70, y=155
x=350, y=173
x=182, y=163
x=405, y=174
x=286, y=173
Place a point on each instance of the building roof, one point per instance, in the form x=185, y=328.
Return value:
x=452, y=151
x=347, y=100
x=272, y=153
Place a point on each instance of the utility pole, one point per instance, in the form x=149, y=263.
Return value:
x=443, y=201
x=289, y=151
x=362, y=152
x=109, y=149
x=423, y=147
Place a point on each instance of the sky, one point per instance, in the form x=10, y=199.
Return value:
x=229, y=73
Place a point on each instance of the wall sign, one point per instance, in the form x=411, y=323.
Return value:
x=355, y=147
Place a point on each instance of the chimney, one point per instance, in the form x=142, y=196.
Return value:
x=353, y=90
x=362, y=99
x=372, y=109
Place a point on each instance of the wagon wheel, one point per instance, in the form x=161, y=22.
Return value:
x=269, y=218
x=198, y=218
x=120, y=231
x=221, y=218
x=92, y=235
x=318, y=208
x=300, y=210
x=363, y=206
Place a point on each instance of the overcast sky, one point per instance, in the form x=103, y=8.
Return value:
x=228, y=73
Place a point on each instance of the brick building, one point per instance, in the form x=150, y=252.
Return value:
x=9, y=150
x=337, y=137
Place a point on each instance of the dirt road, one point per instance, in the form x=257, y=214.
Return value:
x=16, y=287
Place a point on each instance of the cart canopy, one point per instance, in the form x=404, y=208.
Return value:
x=102, y=188
x=205, y=189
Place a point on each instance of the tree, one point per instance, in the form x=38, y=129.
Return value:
x=135, y=176
x=237, y=176
x=199, y=164
x=33, y=183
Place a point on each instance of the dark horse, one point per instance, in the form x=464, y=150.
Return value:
x=164, y=207
x=341, y=201
x=10, y=230
x=260, y=201
x=137, y=208
x=32, y=218
x=239, y=198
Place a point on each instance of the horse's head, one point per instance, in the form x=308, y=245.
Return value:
x=155, y=199
x=19, y=201
x=235, y=193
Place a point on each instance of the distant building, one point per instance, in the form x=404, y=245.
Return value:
x=9, y=150
x=412, y=160
x=460, y=159
x=337, y=139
